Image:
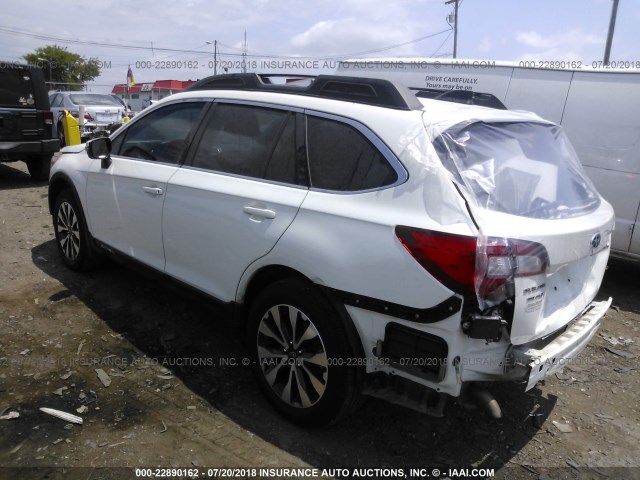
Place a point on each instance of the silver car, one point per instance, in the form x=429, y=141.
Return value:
x=100, y=112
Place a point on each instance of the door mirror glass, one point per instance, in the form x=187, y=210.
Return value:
x=99, y=148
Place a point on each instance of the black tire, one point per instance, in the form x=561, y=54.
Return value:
x=39, y=167
x=61, y=137
x=75, y=245
x=317, y=378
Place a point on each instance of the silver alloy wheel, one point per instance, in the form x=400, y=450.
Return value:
x=292, y=356
x=68, y=231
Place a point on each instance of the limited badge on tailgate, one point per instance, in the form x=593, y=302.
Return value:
x=533, y=297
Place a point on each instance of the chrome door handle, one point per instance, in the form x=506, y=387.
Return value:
x=152, y=190
x=260, y=212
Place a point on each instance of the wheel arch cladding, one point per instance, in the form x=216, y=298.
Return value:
x=58, y=184
x=270, y=274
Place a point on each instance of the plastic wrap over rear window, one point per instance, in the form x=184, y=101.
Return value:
x=520, y=168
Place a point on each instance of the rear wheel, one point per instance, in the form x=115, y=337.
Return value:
x=39, y=167
x=72, y=237
x=302, y=354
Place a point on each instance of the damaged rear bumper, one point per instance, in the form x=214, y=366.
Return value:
x=539, y=361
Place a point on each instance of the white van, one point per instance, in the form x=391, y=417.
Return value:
x=599, y=109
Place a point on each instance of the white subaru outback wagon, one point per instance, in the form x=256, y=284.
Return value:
x=372, y=240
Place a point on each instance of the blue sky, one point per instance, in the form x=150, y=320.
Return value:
x=325, y=30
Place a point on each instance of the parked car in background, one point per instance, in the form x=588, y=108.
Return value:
x=118, y=99
x=131, y=113
x=25, y=119
x=370, y=240
x=100, y=112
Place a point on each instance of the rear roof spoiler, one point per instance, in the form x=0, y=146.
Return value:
x=466, y=97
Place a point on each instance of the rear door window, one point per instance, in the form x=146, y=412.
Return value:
x=57, y=101
x=341, y=158
x=250, y=141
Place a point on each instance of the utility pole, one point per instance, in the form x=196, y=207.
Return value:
x=455, y=25
x=612, y=27
x=215, y=56
x=244, y=53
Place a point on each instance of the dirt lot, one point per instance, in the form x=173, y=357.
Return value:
x=177, y=399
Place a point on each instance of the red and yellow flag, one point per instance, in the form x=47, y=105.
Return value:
x=130, y=79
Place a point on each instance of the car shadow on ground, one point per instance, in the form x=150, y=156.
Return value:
x=13, y=178
x=198, y=343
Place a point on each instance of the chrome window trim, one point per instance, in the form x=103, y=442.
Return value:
x=152, y=162
x=244, y=177
x=253, y=103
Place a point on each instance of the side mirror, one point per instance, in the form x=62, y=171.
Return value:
x=100, y=148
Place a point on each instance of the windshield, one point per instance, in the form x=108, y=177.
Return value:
x=520, y=168
x=86, y=99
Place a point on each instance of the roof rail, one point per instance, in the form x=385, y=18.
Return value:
x=467, y=97
x=370, y=91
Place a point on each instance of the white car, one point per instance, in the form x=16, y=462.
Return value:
x=371, y=240
x=100, y=112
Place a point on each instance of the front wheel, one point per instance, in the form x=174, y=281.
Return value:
x=74, y=243
x=302, y=354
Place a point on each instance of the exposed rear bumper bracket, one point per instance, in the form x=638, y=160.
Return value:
x=434, y=314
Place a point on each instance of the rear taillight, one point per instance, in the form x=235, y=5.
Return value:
x=48, y=118
x=481, y=266
x=76, y=114
x=449, y=258
x=499, y=261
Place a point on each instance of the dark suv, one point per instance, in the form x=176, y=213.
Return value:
x=25, y=119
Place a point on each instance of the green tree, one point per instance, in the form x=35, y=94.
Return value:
x=63, y=67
